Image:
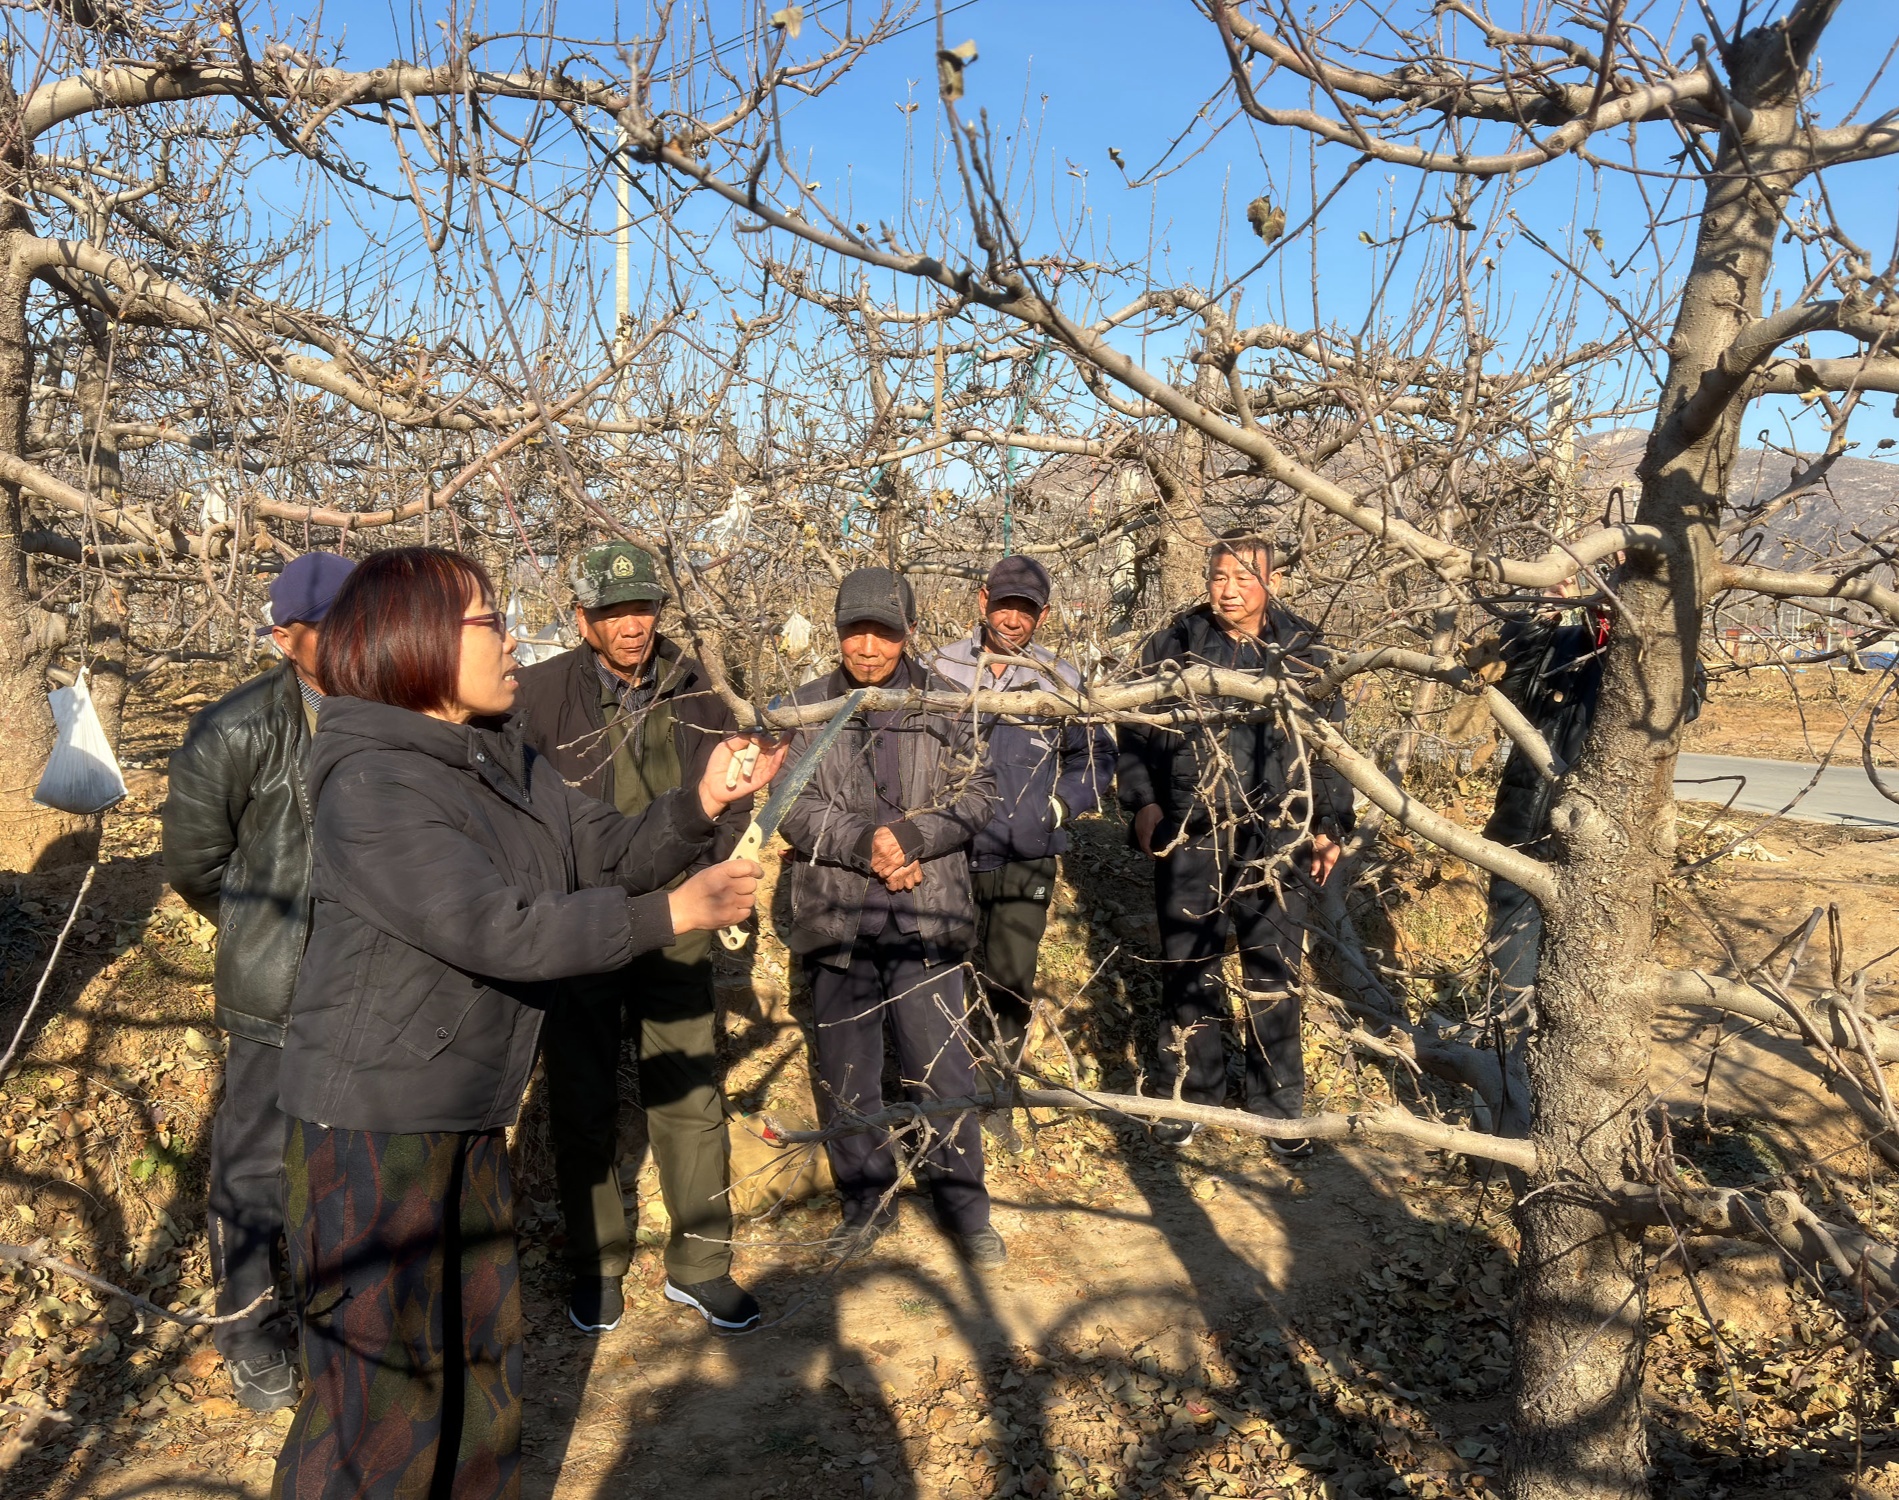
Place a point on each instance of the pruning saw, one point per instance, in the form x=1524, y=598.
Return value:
x=785, y=791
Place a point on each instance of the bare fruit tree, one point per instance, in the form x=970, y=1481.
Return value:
x=1429, y=459
x=878, y=382
x=190, y=388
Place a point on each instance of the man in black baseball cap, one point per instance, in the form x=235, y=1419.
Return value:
x=1046, y=775
x=881, y=914
x=237, y=848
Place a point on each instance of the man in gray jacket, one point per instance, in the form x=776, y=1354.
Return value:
x=1046, y=776
x=237, y=848
x=881, y=914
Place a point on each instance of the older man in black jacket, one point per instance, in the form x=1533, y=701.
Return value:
x=882, y=915
x=627, y=716
x=1220, y=808
x=237, y=848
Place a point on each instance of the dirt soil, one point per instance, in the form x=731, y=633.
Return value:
x=1801, y=714
x=1188, y=1323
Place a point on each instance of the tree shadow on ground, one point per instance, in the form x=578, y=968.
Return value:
x=106, y=1121
x=1154, y=1346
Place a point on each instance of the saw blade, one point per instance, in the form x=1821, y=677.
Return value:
x=786, y=789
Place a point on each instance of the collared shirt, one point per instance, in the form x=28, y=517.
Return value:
x=639, y=724
x=312, y=701
x=632, y=699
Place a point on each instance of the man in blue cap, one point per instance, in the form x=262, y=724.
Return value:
x=237, y=848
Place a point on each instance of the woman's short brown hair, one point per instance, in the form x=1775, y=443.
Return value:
x=394, y=634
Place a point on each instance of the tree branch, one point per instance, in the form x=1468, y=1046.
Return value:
x=1778, y=585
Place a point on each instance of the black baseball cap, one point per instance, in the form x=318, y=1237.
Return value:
x=878, y=595
x=1019, y=577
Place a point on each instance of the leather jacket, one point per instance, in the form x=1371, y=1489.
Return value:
x=237, y=845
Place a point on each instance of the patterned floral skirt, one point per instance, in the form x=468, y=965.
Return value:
x=409, y=1293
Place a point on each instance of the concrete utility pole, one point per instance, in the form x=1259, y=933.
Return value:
x=622, y=252
x=622, y=268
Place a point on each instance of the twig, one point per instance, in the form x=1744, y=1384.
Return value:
x=19, y=1036
x=28, y=1256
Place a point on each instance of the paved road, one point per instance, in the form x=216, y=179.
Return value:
x=1843, y=794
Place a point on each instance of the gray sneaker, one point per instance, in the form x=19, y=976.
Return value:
x=982, y=1249
x=266, y=1383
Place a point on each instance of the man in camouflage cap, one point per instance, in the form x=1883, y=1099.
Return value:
x=625, y=716
x=618, y=573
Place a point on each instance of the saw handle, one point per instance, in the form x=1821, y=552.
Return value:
x=750, y=848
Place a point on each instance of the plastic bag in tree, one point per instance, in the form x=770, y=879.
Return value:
x=82, y=774
x=795, y=638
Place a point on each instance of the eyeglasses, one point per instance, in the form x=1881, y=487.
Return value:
x=494, y=620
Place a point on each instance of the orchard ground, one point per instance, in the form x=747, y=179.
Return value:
x=1182, y=1323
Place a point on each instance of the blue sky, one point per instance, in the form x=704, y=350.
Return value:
x=1062, y=82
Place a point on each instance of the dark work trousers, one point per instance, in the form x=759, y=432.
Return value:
x=888, y=983
x=247, y=1202
x=666, y=1006
x=1011, y=916
x=1203, y=894
x=403, y=1254
x=1515, y=939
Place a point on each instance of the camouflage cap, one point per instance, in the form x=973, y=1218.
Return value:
x=617, y=573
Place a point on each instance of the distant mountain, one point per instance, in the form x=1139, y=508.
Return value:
x=1856, y=493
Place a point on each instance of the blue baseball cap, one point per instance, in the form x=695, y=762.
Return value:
x=303, y=593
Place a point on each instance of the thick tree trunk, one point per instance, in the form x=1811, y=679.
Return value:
x=105, y=658
x=31, y=836
x=1580, y=1323
x=105, y=608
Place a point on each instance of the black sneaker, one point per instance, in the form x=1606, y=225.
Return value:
x=595, y=1305
x=982, y=1248
x=722, y=1302
x=853, y=1236
x=1172, y=1132
x=1290, y=1150
x=266, y=1383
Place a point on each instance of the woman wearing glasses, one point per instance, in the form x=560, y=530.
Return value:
x=455, y=878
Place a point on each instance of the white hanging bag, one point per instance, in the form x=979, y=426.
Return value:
x=82, y=774
x=795, y=638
